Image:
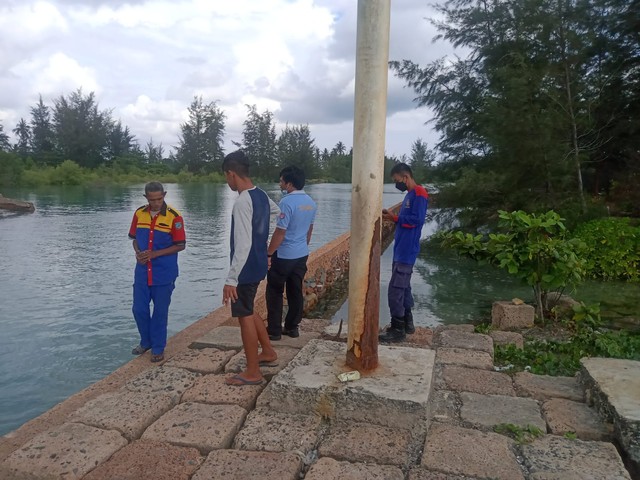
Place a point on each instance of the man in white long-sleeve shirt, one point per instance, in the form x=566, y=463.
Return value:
x=250, y=221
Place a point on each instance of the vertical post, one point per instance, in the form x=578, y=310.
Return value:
x=372, y=57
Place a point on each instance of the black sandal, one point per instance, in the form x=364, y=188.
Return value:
x=157, y=358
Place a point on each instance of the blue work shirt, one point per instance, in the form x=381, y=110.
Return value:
x=157, y=233
x=297, y=214
x=409, y=222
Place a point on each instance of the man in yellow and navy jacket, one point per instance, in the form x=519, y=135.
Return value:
x=158, y=235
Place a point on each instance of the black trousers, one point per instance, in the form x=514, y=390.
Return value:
x=283, y=273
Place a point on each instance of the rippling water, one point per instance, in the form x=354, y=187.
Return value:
x=67, y=271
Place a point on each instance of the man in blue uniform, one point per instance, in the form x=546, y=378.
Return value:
x=289, y=251
x=158, y=235
x=250, y=221
x=406, y=247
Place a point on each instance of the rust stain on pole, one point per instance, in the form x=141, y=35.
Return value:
x=363, y=354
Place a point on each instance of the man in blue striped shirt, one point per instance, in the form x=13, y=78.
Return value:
x=250, y=220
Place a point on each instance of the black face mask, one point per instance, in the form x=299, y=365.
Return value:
x=401, y=186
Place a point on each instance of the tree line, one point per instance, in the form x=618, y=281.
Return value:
x=75, y=128
x=543, y=109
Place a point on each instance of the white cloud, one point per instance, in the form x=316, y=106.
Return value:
x=146, y=59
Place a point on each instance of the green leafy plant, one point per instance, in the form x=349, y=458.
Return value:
x=613, y=248
x=483, y=328
x=563, y=357
x=570, y=435
x=533, y=247
x=520, y=434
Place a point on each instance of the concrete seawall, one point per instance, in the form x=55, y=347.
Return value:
x=436, y=407
x=325, y=266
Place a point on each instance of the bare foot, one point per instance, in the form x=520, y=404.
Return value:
x=267, y=358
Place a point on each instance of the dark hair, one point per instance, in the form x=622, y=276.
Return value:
x=153, y=187
x=294, y=176
x=236, y=162
x=402, y=169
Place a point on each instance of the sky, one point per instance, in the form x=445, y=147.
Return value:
x=147, y=59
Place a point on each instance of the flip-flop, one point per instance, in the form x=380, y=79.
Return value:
x=266, y=363
x=157, y=358
x=242, y=381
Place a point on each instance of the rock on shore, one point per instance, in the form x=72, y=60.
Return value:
x=16, y=205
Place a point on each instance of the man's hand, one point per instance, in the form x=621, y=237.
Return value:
x=143, y=256
x=386, y=215
x=229, y=294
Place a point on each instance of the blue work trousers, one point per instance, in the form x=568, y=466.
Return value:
x=152, y=326
x=399, y=295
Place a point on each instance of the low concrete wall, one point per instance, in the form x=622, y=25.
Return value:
x=325, y=265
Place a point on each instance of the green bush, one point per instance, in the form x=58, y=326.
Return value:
x=563, y=357
x=613, y=248
x=532, y=247
x=11, y=169
x=68, y=173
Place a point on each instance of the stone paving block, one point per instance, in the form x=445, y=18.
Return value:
x=544, y=387
x=508, y=316
x=558, y=458
x=396, y=394
x=613, y=387
x=423, y=338
x=267, y=430
x=298, y=342
x=419, y=473
x=466, y=340
x=244, y=465
x=145, y=459
x=128, y=412
x=361, y=442
x=205, y=427
x=317, y=325
x=474, y=380
x=212, y=389
x=222, y=338
x=464, y=358
x=69, y=451
x=461, y=327
x=565, y=416
x=490, y=410
x=445, y=406
x=501, y=338
x=202, y=360
x=332, y=330
x=461, y=451
x=239, y=362
x=163, y=380
x=328, y=468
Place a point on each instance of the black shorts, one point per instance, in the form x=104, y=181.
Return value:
x=243, y=306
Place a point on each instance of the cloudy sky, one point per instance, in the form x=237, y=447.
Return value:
x=146, y=59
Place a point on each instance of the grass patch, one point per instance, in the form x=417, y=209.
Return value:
x=520, y=434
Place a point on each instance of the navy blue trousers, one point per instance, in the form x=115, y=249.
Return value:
x=152, y=326
x=399, y=295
